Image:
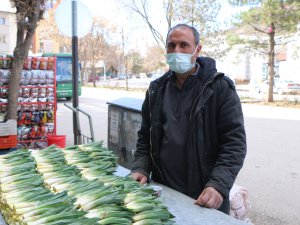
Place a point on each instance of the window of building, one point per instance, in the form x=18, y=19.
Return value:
x=2, y=21
x=41, y=47
x=3, y=38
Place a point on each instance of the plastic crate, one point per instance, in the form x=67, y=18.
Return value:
x=9, y=141
x=8, y=128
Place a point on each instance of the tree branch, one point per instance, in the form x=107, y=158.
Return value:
x=260, y=51
x=257, y=29
x=143, y=13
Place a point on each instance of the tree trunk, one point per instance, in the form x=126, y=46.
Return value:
x=14, y=86
x=82, y=76
x=94, y=76
x=271, y=59
x=20, y=53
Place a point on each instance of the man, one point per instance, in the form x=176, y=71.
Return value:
x=192, y=136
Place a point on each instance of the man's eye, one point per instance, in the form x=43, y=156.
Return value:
x=183, y=45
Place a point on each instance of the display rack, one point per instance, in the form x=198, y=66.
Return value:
x=36, y=102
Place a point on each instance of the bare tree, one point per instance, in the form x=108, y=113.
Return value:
x=201, y=14
x=48, y=29
x=154, y=59
x=141, y=8
x=28, y=14
x=170, y=9
x=94, y=47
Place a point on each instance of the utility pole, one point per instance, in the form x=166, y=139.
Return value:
x=124, y=59
x=76, y=125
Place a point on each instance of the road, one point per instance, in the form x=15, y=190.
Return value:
x=271, y=169
x=244, y=89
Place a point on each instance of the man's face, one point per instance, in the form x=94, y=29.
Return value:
x=181, y=40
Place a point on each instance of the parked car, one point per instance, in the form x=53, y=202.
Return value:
x=93, y=77
x=280, y=86
x=154, y=75
x=122, y=76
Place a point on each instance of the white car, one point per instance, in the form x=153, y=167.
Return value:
x=280, y=86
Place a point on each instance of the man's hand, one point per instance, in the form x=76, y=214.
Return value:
x=210, y=198
x=139, y=177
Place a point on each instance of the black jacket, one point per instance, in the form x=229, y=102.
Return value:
x=217, y=140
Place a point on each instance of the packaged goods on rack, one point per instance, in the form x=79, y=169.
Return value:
x=6, y=61
x=3, y=105
x=8, y=134
x=36, y=101
x=4, y=76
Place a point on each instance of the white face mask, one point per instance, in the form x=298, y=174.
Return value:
x=180, y=62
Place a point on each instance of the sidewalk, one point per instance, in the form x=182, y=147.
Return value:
x=250, y=110
x=94, y=101
x=270, y=112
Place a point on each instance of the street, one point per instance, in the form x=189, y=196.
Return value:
x=245, y=91
x=271, y=169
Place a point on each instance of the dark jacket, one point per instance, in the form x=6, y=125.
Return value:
x=217, y=140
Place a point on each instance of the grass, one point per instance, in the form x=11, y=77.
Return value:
x=283, y=103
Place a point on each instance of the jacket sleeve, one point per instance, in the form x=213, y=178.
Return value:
x=142, y=160
x=231, y=138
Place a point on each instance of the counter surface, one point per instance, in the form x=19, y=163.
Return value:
x=184, y=209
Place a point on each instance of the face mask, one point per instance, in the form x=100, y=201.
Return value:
x=180, y=62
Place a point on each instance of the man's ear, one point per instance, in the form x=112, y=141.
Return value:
x=199, y=47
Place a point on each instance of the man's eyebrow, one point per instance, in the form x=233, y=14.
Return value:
x=184, y=42
x=180, y=42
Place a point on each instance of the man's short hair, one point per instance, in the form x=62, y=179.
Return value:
x=193, y=29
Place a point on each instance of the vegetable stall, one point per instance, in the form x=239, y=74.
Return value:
x=84, y=185
x=74, y=185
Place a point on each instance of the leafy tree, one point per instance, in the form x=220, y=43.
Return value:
x=28, y=13
x=259, y=27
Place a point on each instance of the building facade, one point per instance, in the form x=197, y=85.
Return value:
x=8, y=28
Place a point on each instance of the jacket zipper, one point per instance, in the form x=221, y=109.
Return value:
x=194, y=104
x=209, y=82
x=151, y=155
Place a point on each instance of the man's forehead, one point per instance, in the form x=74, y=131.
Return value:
x=183, y=31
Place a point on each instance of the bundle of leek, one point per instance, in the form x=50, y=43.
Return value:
x=147, y=209
x=88, y=194
x=58, y=176
x=92, y=159
x=83, y=189
x=25, y=200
